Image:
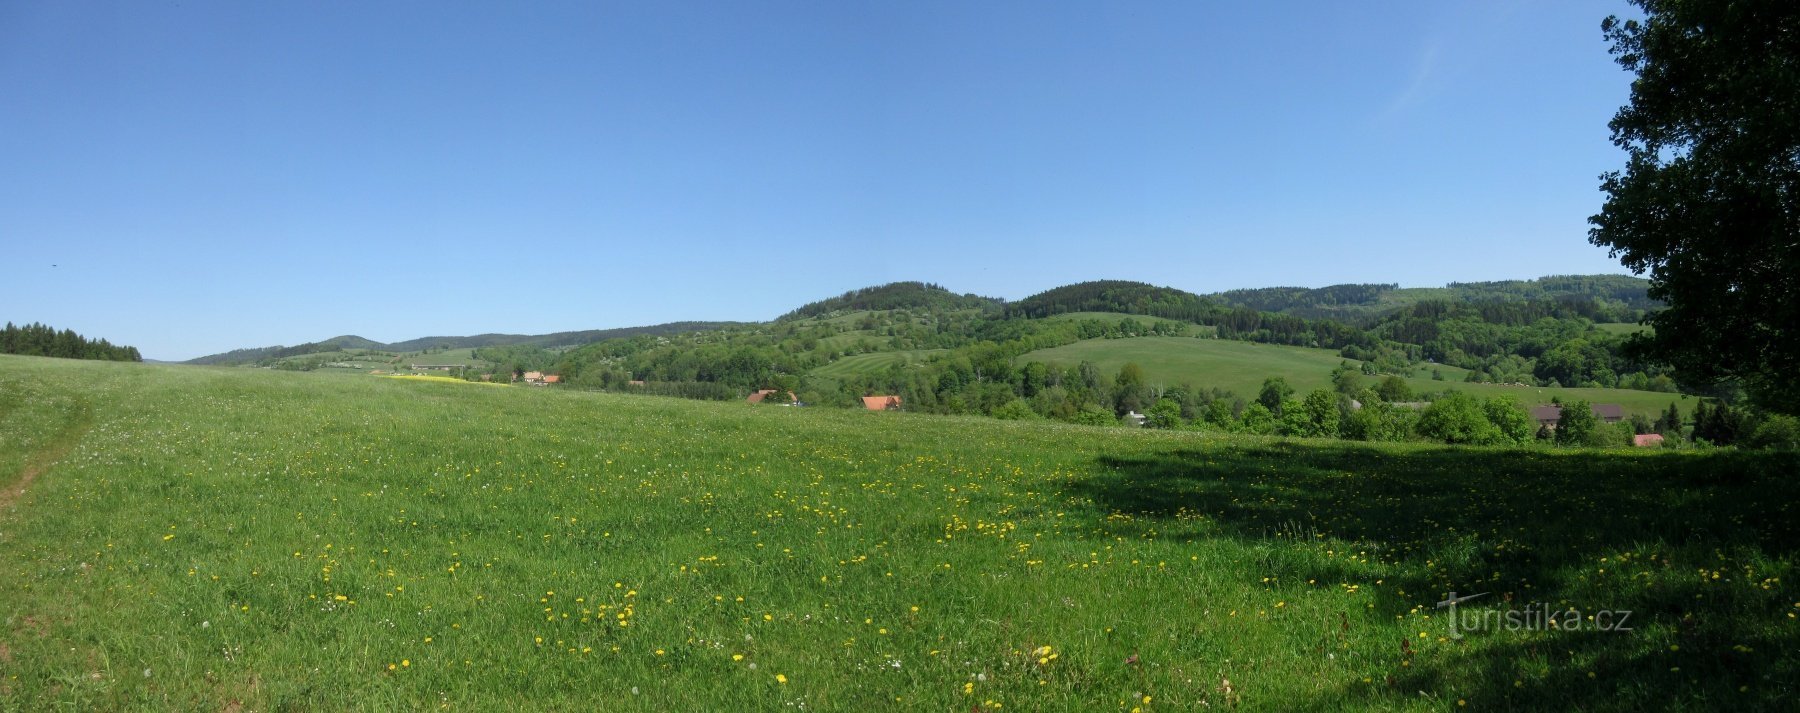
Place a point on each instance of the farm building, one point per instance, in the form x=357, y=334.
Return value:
x=1647, y=440
x=881, y=403
x=1548, y=415
x=763, y=394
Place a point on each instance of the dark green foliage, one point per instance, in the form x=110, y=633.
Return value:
x=1511, y=422
x=39, y=340
x=1378, y=421
x=1258, y=419
x=1169, y=303
x=1709, y=197
x=1457, y=417
x=1165, y=414
x=895, y=295
x=1014, y=410
x=1095, y=417
x=1605, y=298
x=347, y=342
x=1319, y=415
x=1576, y=424
x=1720, y=425
x=1776, y=431
x=1275, y=390
x=1670, y=421
x=1394, y=389
x=1347, y=379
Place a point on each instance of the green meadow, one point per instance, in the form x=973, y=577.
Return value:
x=1241, y=368
x=873, y=362
x=234, y=539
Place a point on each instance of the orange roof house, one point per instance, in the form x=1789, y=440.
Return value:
x=552, y=378
x=881, y=403
x=761, y=394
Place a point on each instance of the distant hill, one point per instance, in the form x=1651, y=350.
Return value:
x=895, y=295
x=347, y=342
x=1116, y=296
x=1364, y=303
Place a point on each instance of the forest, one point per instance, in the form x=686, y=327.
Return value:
x=40, y=340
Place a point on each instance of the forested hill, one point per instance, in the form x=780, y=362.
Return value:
x=40, y=340
x=895, y=295
x=1620, y=297
x=1116, y=296
x=1170, y=303
x=557, y=339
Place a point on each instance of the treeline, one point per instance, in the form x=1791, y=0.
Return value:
x=1546, y=343
x=1622, y=298
x=1304, y=301
x=891, y=296
x=1241, y=323
x=39, y=340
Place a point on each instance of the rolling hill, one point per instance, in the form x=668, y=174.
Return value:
x=351, y=342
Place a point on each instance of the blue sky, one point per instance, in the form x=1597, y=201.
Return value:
x=206, y=176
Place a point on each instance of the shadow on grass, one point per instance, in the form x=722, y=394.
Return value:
x=1530, y=528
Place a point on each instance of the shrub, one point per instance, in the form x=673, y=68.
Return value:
x=1457, y=418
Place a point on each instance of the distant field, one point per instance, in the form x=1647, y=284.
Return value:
x=873, y=362
x=1116, y=317
x=848, y=339
x=1242, y=366
x=187, y=538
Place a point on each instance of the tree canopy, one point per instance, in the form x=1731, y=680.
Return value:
x=1709, y=200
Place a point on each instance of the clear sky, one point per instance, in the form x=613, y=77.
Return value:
x=191, y=177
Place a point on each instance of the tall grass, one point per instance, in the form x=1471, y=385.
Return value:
x=245, y=539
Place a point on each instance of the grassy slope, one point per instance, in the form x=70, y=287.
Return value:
x=1242, y=366
x=295, y=541
x=1116, y=317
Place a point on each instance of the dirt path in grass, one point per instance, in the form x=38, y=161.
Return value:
x=47, y=456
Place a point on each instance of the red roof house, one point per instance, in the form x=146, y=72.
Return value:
x=881, y=403
x=1647, y=440
x=761, y=394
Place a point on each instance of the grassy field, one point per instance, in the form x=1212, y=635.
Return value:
x=228, y=539
x=1242, y=366
x=1116, y=317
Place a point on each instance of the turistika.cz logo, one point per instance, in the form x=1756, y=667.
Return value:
x=1537, y=616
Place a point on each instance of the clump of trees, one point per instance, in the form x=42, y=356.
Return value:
x=39, y=340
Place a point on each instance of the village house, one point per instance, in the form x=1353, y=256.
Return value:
x=881, y=403
x=763, y=394
x=1647, y=440
x=1548, y=415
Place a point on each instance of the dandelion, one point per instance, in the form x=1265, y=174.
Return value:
x=781, y=679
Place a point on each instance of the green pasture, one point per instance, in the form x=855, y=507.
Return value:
x=191, y=538
x=873, y=362
x=1242, y=366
